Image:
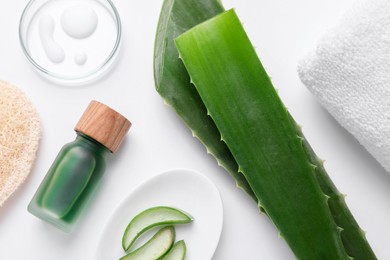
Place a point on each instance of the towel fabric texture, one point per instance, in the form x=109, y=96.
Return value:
x=349, y=73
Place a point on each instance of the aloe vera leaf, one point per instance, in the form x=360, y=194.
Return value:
x=352, y=235
x=173, y=83
x=255, y=125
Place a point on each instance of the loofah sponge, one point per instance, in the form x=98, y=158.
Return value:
x=19, y=138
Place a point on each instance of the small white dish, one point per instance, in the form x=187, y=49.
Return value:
x=183, y=189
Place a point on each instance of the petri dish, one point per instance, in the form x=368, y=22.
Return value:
x=70, y=42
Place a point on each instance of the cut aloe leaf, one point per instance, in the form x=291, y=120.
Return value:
x=150, y=218
x=256, y=127
x=156, y=247
x=173, y=83
x=177, y=252
x=353, y=237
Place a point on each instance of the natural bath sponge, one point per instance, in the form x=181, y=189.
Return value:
x=349, y=73
x=19, y=138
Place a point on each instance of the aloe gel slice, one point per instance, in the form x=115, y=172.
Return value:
x=173, y=83
x=150, y=218
x=156, y=247
x=177, y=252
x=256, y=127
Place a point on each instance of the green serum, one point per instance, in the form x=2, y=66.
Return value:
x=73, y=176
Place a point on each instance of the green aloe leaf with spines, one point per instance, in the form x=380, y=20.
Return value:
x=173, y=84
x=255, y=125
x=352, y=235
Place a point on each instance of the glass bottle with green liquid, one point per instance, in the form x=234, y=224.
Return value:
x=78, y=167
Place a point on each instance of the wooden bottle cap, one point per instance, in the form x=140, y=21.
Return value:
x=103, y=124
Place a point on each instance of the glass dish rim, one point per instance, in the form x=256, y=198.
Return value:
x=72, y=80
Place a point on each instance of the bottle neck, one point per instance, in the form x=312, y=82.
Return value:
x=91, y=143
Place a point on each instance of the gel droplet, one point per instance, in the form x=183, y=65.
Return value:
x=79, y=21
x=80, y=58
x=46, y=32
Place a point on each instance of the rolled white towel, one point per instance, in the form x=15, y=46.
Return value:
x=349, y=73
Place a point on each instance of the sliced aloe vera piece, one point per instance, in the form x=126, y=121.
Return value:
x=156, y=247
x=177, y=252
x=150, y=218
x=256, y=127
x=173, y=83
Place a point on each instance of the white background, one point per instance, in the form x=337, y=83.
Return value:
x=282, y=31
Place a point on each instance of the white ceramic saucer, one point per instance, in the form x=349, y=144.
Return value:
x=183, y=189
